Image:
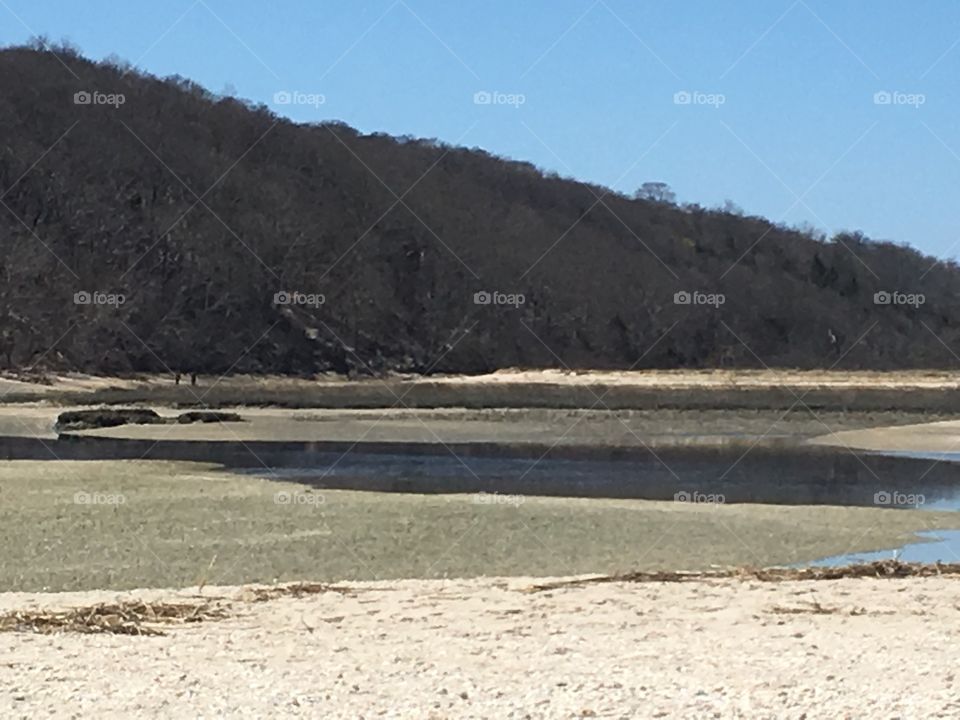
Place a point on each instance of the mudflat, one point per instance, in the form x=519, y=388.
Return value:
x=84, y=525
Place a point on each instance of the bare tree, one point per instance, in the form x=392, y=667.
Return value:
x=658, y=192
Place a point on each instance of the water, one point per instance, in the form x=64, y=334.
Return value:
x=931, y=456
x=782, y=476
x=777, y=475
x=943, y=546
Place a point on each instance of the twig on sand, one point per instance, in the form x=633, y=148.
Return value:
x=203, y=579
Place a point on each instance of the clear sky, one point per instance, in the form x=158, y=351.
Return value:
x=781, y=113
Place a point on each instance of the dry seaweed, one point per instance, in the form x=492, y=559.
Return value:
x=879, y=569
x=125, y=618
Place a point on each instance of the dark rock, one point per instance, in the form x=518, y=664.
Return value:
x=100, y=418
x=208, y=416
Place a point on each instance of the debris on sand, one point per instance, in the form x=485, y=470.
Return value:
x=133, y=618
x=137, y=617
x=149, y=618
x=885, y=569
x=294, y=590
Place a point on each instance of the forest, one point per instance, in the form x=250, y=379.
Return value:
x=149, y=225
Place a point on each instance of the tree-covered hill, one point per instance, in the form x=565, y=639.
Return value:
x=147, y=224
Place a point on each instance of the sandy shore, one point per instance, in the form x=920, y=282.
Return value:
x=485, y=648
x=925, y=438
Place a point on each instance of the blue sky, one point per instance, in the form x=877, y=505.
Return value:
x=781, y=113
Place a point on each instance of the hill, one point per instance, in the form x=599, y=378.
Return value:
x=149, y=225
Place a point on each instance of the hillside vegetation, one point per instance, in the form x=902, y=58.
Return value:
x=179, y=230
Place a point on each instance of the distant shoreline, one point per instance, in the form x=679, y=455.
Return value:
x=842, y=391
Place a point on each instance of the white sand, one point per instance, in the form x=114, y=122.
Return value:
x=485, y=649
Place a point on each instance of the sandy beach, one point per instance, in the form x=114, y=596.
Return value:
x=489, y=648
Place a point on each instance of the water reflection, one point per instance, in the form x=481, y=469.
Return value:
x=780, y=475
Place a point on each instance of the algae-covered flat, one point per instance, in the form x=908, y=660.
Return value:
x=124, y=524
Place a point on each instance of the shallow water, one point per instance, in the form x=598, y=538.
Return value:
x=800, y=475
x=932, y=456
x=787, y=477
x=944, y=546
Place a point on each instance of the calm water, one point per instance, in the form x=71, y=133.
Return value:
x=932, y=456
x=943, y=546
x=782, y=475
x=788, y=476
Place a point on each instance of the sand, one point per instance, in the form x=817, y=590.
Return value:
x=486, y=649
x=924, y=438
